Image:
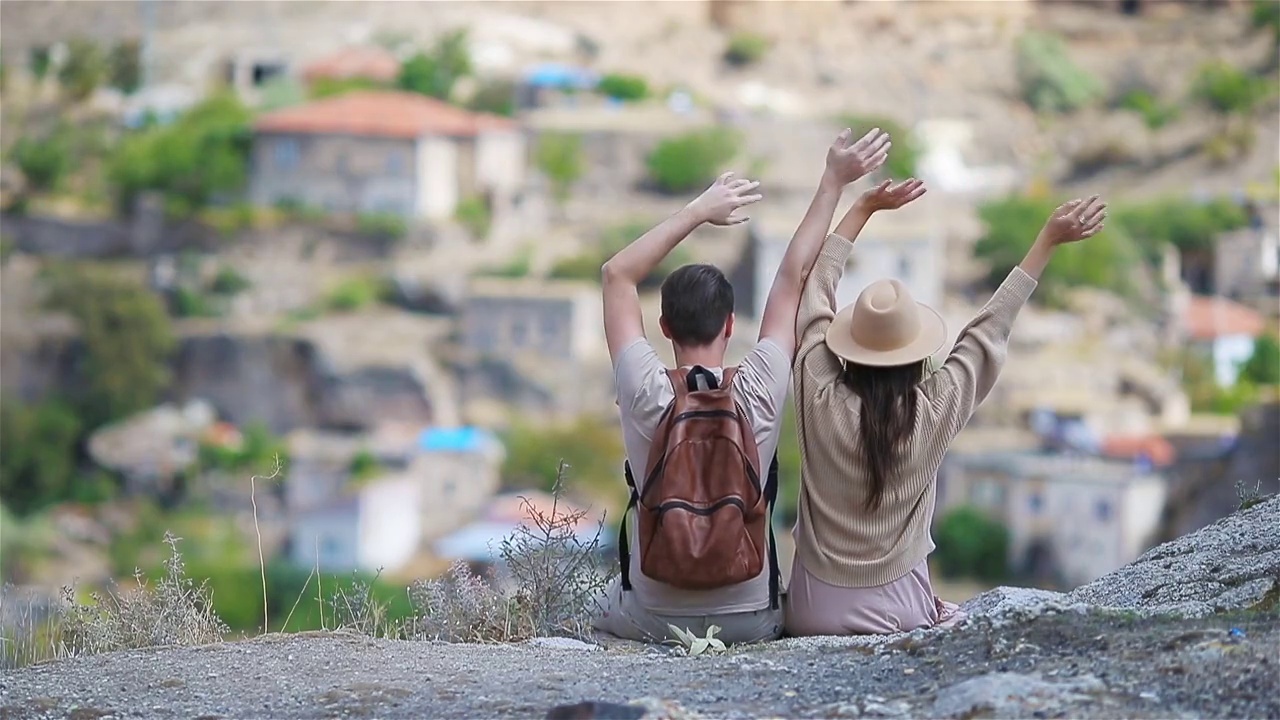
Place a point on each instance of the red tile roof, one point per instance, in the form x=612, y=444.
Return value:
x=1207, y=318
x=1160, y=451
x=380, y=113
x=373, y=63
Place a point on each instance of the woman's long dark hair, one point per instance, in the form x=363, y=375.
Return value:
x=888, y=417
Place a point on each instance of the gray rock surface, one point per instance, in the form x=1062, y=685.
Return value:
x=1231, y=564
x=1023, y=653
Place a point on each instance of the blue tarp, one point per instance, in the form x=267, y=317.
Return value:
x=463, y=439
x=560, y=76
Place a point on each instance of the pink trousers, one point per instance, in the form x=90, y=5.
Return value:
x=818, y=608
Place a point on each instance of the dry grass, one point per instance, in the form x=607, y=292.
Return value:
x=173, y=611
x=555, y=578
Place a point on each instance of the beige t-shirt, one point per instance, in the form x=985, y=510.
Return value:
x=644, y=391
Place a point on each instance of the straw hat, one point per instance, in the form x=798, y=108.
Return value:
x=886, y=327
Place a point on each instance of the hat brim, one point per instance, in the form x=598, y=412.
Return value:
x=932, y=336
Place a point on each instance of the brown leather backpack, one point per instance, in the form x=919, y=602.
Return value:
x=703, y=514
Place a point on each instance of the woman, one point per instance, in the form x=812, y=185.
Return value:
x=874, y=425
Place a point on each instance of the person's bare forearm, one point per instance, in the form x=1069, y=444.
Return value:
x=855, y=218
x=803, y=249
x=1037, y=258
x=634, y=262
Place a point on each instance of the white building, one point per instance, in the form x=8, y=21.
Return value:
x=1082, y=516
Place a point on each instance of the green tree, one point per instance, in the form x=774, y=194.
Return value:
x=202, y=155
x=592, y=449
x=495, y=96
x=38, y=61
x=906, y=152
x=83, y=69
x=473, y=214
x=691, y=161
x=1050, y=80
x=125, y=66
x=972, y=545
x=127, y=340
x=1190, y=226
x=1229, y=90
x=1012, y=224
x=43, y=162
x=1263, y=366
x=436, y=72
x=560, y=158
x=623, y=87
x=38, y=464
x=745, y=49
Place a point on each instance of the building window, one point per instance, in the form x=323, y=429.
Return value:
x=286, y=153
x=330, y=550
x=1102, y=509
x=1036, y=503
x=519, y=333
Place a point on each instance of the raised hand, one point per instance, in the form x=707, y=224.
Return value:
x=719, y=203
x=848, y=160
x=890, y=196
x=1075, y=220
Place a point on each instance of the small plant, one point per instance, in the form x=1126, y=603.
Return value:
x=474, y=215
x=556, y=581
x=694, y=646
x=175, y=611
x=1050, y=81
x=688, y=162
x=560, y=158
x=1155, y=114
x=364, y=466
x=1230, y=90
x=1250, y=497
x=627, y=88
x=381, y=226
x=83, y=69
x=745, y=49
x=517, y=267
x=229, y=282
x=356, y=294
x=124, y=66
x=43, y=162
x=357, y=608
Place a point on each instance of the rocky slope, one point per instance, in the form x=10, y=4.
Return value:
x=1022, y=654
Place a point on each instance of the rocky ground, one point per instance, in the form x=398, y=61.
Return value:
x=1190, y=630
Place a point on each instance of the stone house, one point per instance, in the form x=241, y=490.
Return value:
x=1224, y=330
x=534, y=346
x=433, y=483
x=364, y=62
x=905, y=244
x=1246, y=265
x=383, y=151
x=1071, y=518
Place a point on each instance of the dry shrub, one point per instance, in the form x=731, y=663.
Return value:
x=556, y=580
x=174, y=611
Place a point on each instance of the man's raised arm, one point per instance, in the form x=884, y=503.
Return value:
x=846, y=162
x=620, y=276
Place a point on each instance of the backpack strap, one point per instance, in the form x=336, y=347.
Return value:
x=775, y=572
x=624, y=541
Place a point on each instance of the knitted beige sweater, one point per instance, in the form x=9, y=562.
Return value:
x=836, y=539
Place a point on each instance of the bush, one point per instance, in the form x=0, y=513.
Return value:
x=745, y=49
x=1050, y=81
x=83, y=69
x=972, y=545
x=1229, y=90
x=473, y=214
x=1186, y=225
x=124, y=66
x=364, y=466
x=38, y=466
x=43, y=162
x=436, y=72
x=517, y=267
x=39, y=60
x=1106, y=261
x=559, y=157
x=906, y=152
x=1265, y=14
x=381, y=226
x=229, y=282
x=201, y=156
x=259, y=450
x=691, y=161
x=1155, y=114
x=556, y=578
x=192, y=303
x=623, y=87
x=356, y=294
x=1263, y=366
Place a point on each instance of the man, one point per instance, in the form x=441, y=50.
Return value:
x=697, y=317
